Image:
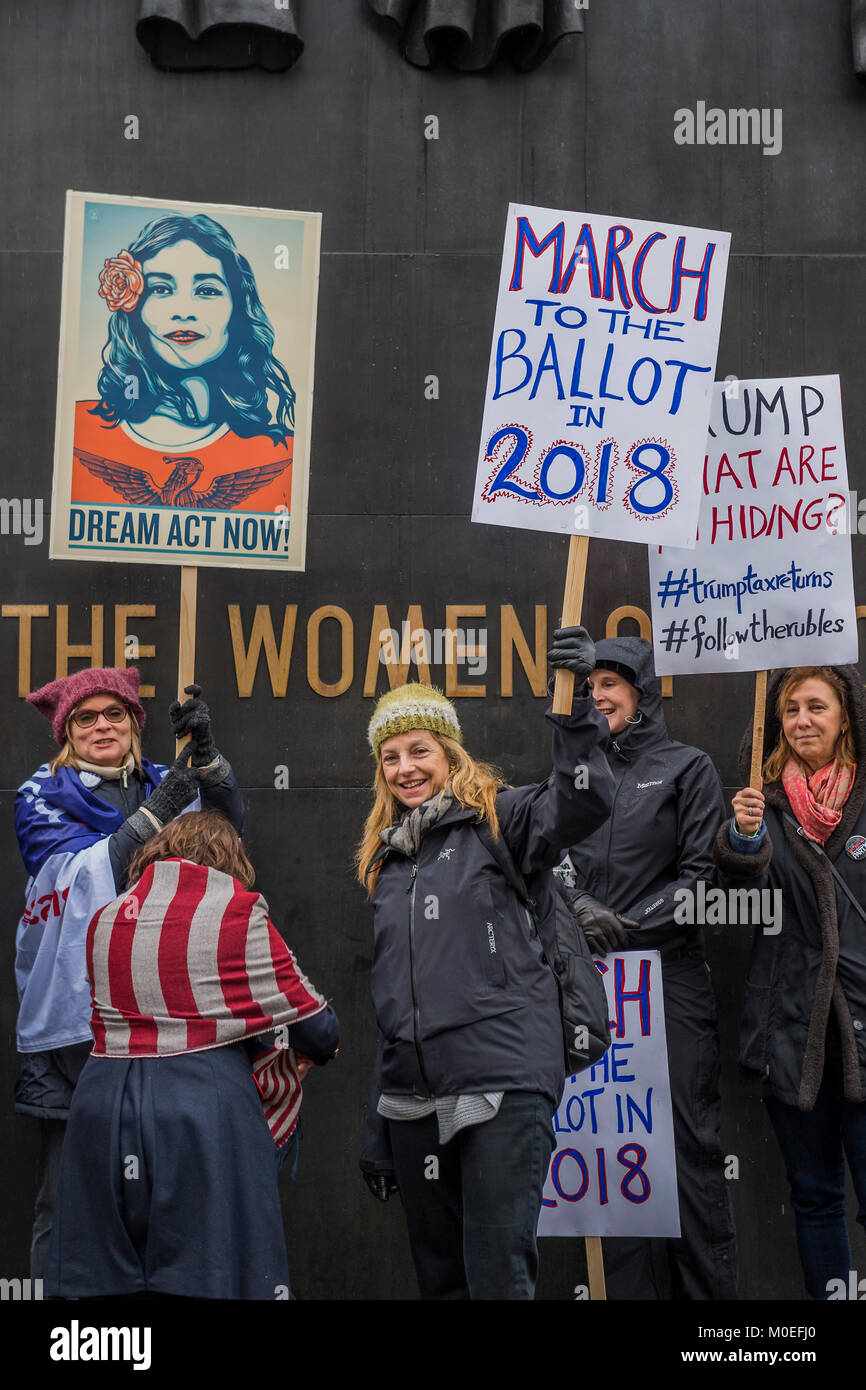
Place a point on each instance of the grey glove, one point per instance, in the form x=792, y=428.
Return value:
x=573, y=650
x=176, y=790
x=604, y=929
x=193, y=718
x=382, y=1185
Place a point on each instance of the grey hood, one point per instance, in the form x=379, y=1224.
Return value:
x=632, y=658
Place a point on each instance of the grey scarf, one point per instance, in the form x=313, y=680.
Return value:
x=408, y=834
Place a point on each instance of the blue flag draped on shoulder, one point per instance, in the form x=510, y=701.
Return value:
x=63, y=831
x=55, y=811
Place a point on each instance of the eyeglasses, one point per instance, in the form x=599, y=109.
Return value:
x=115, y=714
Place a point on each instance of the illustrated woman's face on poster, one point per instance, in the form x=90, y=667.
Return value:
x=187, y=305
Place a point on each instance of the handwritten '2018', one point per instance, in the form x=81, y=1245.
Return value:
x=634, y=1173
x=571, y=470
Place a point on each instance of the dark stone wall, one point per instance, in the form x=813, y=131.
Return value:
x=412, y=233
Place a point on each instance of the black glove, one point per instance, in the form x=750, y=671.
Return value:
x=573, y=650
x=604, y=929
x=193, y=718
x=176, y=790
x=382, y=1185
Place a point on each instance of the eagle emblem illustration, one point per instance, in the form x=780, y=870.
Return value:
x=137, y=487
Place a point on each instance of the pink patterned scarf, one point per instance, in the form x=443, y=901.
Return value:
x=817, y=798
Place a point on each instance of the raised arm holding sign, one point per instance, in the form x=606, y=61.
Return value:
x=598, y=394
x=178, y=442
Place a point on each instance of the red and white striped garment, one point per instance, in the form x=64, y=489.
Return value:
x=188, y=959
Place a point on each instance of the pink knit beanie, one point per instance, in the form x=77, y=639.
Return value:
x=58, y=699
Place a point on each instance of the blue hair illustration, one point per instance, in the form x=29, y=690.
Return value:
x=239, y=379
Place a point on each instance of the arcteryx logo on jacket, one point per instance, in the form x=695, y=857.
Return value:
x=464, y=1000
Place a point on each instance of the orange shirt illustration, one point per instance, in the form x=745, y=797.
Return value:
x=221, y=472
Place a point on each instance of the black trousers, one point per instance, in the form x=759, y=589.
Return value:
x=815, y=1145
x=702, y=1263
x=52, y=1075
x=472, y=1204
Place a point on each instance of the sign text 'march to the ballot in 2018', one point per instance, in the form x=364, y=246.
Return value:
x=600, y=377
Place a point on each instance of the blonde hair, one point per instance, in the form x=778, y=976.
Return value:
x=67, y=757
x=844, y=752
x=472, y=783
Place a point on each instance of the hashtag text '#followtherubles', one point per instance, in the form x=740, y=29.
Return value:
x=715, y=635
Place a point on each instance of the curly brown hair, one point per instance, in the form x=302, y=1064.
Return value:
x=204, y=837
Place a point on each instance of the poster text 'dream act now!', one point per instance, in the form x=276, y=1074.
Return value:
x=769, y=583
x=156, y=535
x=600, y=379
x=613, y=1171
x=185, y=388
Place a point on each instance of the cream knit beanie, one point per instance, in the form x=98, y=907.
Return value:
x=413, y=706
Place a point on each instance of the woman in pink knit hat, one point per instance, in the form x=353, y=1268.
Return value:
x=79, y=819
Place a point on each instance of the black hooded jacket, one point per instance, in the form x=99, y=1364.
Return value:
x=812, y=972
x=465, y=1000
x=667, y=808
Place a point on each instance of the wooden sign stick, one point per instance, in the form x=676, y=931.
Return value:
x=572, y=607
x=758, y=729
x=563, y=692
x=186, y=636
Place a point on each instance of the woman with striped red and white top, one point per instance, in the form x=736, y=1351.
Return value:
x=204, y=1027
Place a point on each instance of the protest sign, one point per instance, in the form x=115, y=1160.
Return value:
x=185, y=384
x=600, y=379
x=613, y=1171
x=769, y=583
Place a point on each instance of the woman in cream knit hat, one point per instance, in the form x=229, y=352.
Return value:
x=470, y=1063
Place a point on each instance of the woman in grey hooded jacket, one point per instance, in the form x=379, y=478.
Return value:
x=634, y=879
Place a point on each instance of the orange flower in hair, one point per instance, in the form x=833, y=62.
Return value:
x=121, y=282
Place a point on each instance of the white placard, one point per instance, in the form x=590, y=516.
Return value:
x=613, y=1171
x=601, y=372
x=185, y=389
x=770, y=581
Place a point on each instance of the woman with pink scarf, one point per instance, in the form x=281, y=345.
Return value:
x=803, y=1032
